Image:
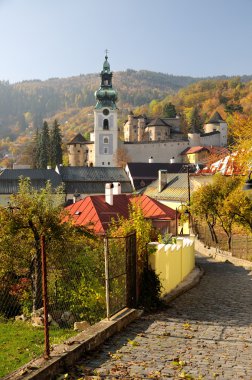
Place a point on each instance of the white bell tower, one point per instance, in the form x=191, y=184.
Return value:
x=105, y=120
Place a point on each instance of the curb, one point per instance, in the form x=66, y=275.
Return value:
x=191, y=280
x=64, y=355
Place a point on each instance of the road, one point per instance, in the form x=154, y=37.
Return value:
x=205, y=333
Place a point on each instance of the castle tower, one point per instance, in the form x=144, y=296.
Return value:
x=79, y=151
x=217, y=124
x=105, y=120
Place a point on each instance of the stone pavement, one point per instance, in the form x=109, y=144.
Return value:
x=205, y=333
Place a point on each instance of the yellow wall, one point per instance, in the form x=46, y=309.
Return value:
x=173, y=262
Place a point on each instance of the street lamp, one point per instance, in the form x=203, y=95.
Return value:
x=185, y=212
x=248, y=186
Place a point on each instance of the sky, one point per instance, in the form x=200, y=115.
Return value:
x=42, y=39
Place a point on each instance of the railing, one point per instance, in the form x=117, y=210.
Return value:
x=241, y=245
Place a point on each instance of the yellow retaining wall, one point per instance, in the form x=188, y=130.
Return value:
x=173, y=262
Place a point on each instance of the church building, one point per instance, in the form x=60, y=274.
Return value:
x=100, y=151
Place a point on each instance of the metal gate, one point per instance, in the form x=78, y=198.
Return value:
x=120, y=272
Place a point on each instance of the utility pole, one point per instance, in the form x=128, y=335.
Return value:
x=189, y=198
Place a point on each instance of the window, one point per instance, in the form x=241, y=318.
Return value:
x=105, y=150
x=108, y=163
x=105, y=124
x=105, y=140
x=102, y=163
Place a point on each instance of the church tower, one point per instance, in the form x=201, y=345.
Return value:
x=105, y=120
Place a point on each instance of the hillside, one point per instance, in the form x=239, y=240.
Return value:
x=32, y=101
x=24, y=105
x=224, y=95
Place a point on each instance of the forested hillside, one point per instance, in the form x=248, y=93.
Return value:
x=24, y=105
x=31, y=101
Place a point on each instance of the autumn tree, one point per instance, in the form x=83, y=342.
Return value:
x=121, y=157
x=149, y=284
x=240, y=129
x=223, y=204
x=31, y=214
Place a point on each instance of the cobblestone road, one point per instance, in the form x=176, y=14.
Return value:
x=204, y=334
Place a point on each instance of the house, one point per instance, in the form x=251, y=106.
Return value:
x=202, y=154
x=9, y=180
x=142, y=174
x=171, y=189
x=226, y=165
x=81, y=181
x=97, y=211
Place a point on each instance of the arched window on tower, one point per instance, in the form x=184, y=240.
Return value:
x=106, y=124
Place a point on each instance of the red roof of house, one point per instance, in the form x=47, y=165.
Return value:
x=226, y=166
x=194, y=149
x=96, y=214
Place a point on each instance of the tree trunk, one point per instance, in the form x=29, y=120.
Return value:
x=36, y=277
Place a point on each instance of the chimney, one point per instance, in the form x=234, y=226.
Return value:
x=162, y=179
x=151, y=160
x=109, y=193
x=172, y=160
x=117, y=188
x=75, y=197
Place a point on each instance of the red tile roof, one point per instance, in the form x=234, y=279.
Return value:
x=194, y=149
x=226, y=166
x=93, y=212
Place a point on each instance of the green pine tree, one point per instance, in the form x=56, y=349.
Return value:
x=43, y=147
x=169, y=110
x=55, y=145
x=195, y=120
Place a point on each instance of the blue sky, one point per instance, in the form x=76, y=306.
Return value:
x=41, y=39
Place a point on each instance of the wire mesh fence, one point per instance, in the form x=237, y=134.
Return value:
x=120, y=263
x=241, y=245
x=68, y=293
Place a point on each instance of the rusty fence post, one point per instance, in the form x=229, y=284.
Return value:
x=44, y=282
x=106, y=258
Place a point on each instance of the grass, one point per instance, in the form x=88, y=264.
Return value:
x=20, y=342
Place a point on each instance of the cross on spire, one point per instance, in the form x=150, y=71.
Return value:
x=106, y=52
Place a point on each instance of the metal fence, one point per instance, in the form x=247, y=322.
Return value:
x=241, y=245
x=120, y=272
x=63, y=292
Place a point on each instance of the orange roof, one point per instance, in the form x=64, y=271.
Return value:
x=96, y=214
x=194, y=149
x=226, y=166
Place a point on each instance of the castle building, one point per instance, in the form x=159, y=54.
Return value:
x=157, y=138
x=142, y=129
